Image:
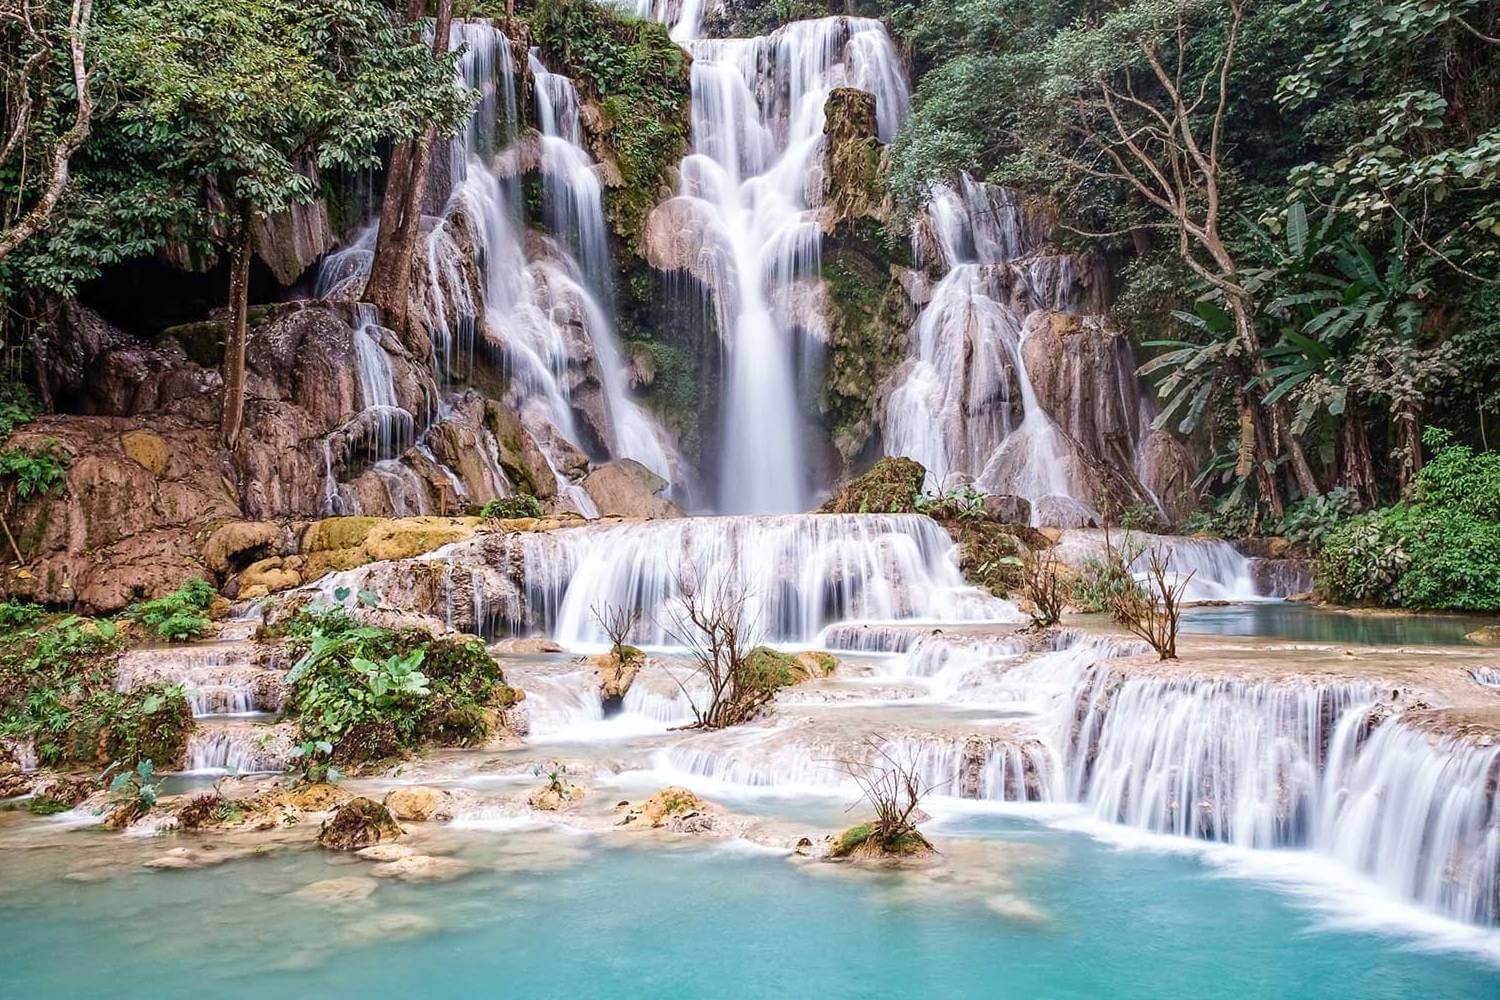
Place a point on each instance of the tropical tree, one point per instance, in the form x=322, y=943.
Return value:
x=36, y=38
x=246, y=95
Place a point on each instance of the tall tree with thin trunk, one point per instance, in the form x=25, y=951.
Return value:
x=389, y=287
x=33, y=38
x=1143, y=97
x=244, y=93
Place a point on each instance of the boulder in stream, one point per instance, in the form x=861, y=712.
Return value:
x=359, y=823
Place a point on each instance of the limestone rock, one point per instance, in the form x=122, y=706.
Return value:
x=627, y=488
x=13, y=781
x=337, y=891
x=422, y=868
x=358, y=823
x=385, y=852
x=555, y=798
x=235, y=543
x=1485, y=635
x=854, y=181
x=1007, y=508
x=675, y=809
x=420, y=804
x=617, y=673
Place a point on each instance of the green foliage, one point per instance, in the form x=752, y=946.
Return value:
x=180, y=616
x=202, y=102
x=137, y=787
x=866, y=338
x=1440, y=551
x=962, y=502
x=19, y=614
x=890, y=487
x=1310, y=521
x=510, y=508
x=48, y=672
x=313, y=759
x=1105, y=582
x=30, y=472
x=373, y=693
x=633, y=72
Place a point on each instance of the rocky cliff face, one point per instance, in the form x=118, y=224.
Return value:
x=148, y=476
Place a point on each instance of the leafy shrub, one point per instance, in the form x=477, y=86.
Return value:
x=1227, y=520
x=373, y=693
x=136, y=786
x=180, y=616
x=1440, y=551
x=1458, y=478
x=19, y=614
x=57, y=689
x=1105, y=583
x=29, y=473
x=964, y=502
x=1310, y=521
x=511, y=508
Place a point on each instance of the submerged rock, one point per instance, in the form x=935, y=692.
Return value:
x=385, y=852
x=359, y=823
x=422, y=868
x=420, y=804
x=337, y=891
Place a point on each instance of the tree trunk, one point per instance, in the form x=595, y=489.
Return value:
x=389, y=287
x=1358, y=472
x=238, y=333
x=1280, y=427
x=1408, y=422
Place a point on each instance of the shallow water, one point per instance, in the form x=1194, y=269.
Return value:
x=1306, y=623
x=554, y=915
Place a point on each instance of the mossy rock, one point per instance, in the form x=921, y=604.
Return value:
x=337, y=533
x=357, y=824
x=412, y=536
x=861, y=843
x=890, y=487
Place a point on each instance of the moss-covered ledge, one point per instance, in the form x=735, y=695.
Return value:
x=635, y=85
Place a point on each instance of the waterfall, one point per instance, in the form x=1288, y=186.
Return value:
x=797, y=573
x=1418, y=813
x=1219, y=572
x=964, y=403
x=747, y=186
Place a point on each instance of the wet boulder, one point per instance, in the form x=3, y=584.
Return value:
x=627, y=488
x=357, y=824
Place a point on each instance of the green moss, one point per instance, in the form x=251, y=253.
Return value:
x=335, y=698
x=767, y=668
x=866, y=333
x=852, y=838
x=637, y=78
x=890, y=487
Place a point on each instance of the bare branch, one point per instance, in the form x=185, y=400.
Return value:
x=67, y=145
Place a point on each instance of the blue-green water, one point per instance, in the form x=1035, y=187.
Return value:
x=1306, y=623
x=555, y=915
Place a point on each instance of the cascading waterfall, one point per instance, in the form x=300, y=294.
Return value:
x=797, y=573
x=757, y=124
x=965, y=404
x=1419, y=814
x=1214, y=569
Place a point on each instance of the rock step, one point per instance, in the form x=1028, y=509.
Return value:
x=243, y=746
x=221, y=678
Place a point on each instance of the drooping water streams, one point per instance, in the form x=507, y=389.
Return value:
x=757, y=110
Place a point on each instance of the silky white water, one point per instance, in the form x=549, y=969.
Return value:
x=747, y=186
